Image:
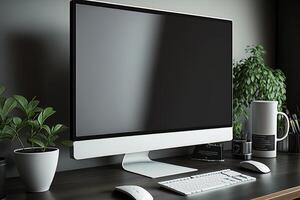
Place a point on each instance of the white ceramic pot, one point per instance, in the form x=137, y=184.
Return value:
x=37, y=169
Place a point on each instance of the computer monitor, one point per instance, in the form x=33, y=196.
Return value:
x=144, y=80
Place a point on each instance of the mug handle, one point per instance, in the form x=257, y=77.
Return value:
x=287, y=125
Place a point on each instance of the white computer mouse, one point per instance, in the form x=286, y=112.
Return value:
x=136, y=192
x=255, y=166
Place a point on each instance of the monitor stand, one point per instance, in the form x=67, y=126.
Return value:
x=140, y=163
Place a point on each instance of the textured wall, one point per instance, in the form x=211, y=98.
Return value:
x=34, y=51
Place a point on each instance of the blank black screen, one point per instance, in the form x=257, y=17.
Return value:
x=139, y=71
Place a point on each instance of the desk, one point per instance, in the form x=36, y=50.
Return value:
x=98, y=183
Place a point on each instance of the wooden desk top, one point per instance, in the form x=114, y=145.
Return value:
x=99, y=183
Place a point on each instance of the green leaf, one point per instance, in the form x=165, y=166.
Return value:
x=33, y=123
x=40, y=118
x=46, y=113
x=17, y=120
x=248, y=81
x=2, y=89
x=22, y=102
x=4, y=136
x=32, y=108
x=47, y=129
x=37, y=142
x=53, y=138
x=59, y=128
x=9, y=131
x=43, y=137
x=8, y=106
x=2, y=100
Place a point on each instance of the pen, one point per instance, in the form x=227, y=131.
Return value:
x=296, y=122
x=298, y=110
x=293, y=126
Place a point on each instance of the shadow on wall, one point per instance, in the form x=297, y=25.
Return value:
x=38, y=65
x=35, y=70
x=38, y=73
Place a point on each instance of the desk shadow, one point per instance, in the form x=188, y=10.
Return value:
x=40, y=195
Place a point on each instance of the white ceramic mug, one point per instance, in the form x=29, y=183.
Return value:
x=264, y=128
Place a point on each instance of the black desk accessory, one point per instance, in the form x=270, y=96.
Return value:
x=293, y=122
x=294, y=134
x=242, y=149
x=208, y=152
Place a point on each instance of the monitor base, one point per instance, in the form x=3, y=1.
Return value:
x=140, y=163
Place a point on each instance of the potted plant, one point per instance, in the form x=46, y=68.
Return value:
x=24, y=122
x=254, y=80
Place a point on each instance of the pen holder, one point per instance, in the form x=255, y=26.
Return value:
x=294, y=143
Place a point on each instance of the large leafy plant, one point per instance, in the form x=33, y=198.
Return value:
x=254, y=80
x=20, y=118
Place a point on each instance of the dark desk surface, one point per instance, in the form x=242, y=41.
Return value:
x=98, y=183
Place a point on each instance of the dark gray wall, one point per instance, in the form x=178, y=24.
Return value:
x=288, y=48
x=34, y=51
x=253, y=20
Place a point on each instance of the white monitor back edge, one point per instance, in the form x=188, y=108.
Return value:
x=93, y=148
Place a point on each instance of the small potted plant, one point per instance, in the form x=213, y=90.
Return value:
x=24, y=121
x=253, y=80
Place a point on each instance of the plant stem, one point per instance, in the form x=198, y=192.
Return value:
x=20, y=141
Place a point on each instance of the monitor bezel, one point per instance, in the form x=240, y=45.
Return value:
x=73, y=70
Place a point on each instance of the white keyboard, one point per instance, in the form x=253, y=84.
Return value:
x=206, y=182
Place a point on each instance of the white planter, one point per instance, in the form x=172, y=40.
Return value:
x=37, y=169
